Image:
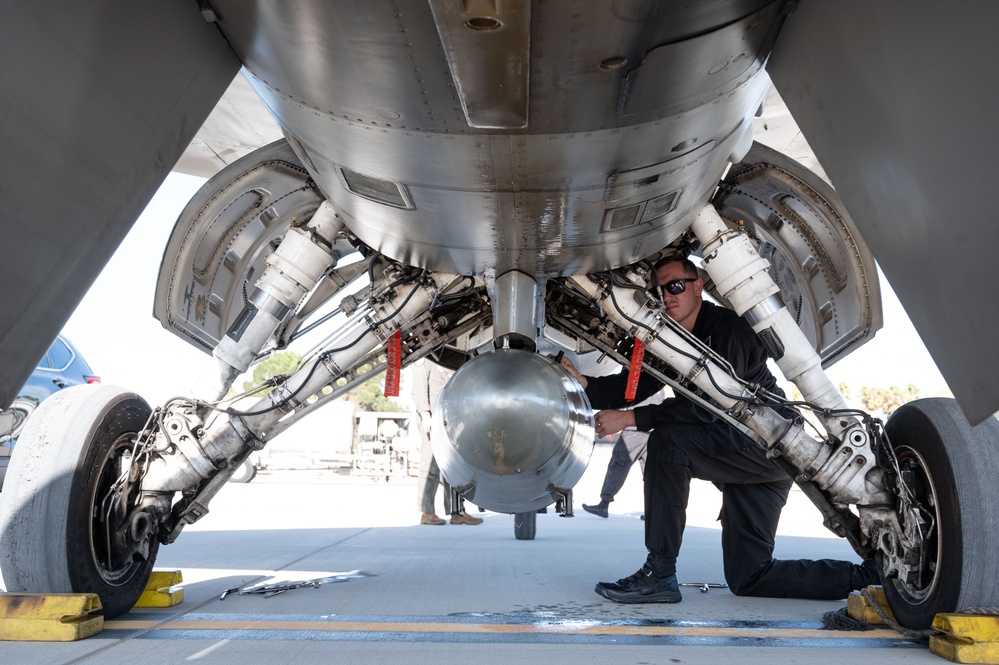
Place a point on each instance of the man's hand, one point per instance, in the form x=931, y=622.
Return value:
x=569, y=367
x=612, y=421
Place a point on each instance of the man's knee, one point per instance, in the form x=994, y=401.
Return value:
x=741, y=586
x=743, y=581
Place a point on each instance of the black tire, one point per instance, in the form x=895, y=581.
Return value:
x=64, y=460
x=954, y=467
x=525, y=525
x=245, y=473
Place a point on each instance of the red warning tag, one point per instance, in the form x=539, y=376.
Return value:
x=393, y=365
x=635, y=371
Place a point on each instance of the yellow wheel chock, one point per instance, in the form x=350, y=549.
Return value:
x=49, y=617
x=967, y=638
x=859, y=609
x=159, y=591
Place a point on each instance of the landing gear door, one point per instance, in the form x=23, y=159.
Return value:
x=826, y=273
x=217, y=248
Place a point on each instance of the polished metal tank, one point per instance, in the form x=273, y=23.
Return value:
x=511, y=429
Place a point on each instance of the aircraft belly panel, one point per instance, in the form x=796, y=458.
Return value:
x=545, y=232
x=386, y=65
x=560, y=205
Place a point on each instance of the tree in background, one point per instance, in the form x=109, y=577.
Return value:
x=281, y=363
x=370, y=396
x=883, y=402
x=879, y=402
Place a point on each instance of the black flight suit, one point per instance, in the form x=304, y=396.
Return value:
x=688, y=441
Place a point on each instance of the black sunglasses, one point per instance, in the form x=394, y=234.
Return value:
x=675, y=287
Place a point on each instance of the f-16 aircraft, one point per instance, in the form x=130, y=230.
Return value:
x=484, y=184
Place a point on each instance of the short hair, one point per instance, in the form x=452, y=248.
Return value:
x=688, y=266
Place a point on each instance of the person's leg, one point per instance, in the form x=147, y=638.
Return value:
x=446, y=489
x=675, y=454
x=614, y=477
x=617, y=470
x=426, y=485
x=641, y=451
x=667, y=485
x=749, y=517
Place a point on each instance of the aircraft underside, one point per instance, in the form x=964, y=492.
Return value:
x=422, y=214
x=516, y=428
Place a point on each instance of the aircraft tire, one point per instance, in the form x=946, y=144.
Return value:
x=525, y=525
x=62, y=466
x=953, y=470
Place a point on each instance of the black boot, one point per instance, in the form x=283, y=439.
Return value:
x=600, y=510
x=642, y=587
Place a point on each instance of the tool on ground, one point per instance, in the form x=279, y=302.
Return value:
x=704, y=586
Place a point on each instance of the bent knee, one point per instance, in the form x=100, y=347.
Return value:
x=753, y=583
x=741, y=586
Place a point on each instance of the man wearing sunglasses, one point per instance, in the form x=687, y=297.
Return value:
x=687, y=441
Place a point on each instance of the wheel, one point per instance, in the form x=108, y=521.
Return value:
x=525, y=525
x=60, y=531
x=951, y=469
x=245, y=473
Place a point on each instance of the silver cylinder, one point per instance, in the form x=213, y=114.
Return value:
x=509, y=428
x=515, y=322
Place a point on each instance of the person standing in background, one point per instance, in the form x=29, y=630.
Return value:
x=629, y=447
x=429, y=379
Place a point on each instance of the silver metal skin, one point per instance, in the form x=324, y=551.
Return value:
x=567, y=172
x=397, y=91
x=512, y=430
x=567, y=169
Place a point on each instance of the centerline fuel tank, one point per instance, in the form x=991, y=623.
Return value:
x=511, y=429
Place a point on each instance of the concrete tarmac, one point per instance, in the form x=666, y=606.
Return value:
x=387, y=588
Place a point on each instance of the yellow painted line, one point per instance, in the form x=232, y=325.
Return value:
x=501, y=628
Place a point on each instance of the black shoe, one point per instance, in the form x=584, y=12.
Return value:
x=865, y=575
x=600, y=510
x=642, y=587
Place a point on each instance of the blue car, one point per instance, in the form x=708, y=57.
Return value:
x=62, y=366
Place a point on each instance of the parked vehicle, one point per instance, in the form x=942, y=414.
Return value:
x=61, y=366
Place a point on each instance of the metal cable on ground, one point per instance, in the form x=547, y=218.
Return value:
x=891, y=623
x=841, y=620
